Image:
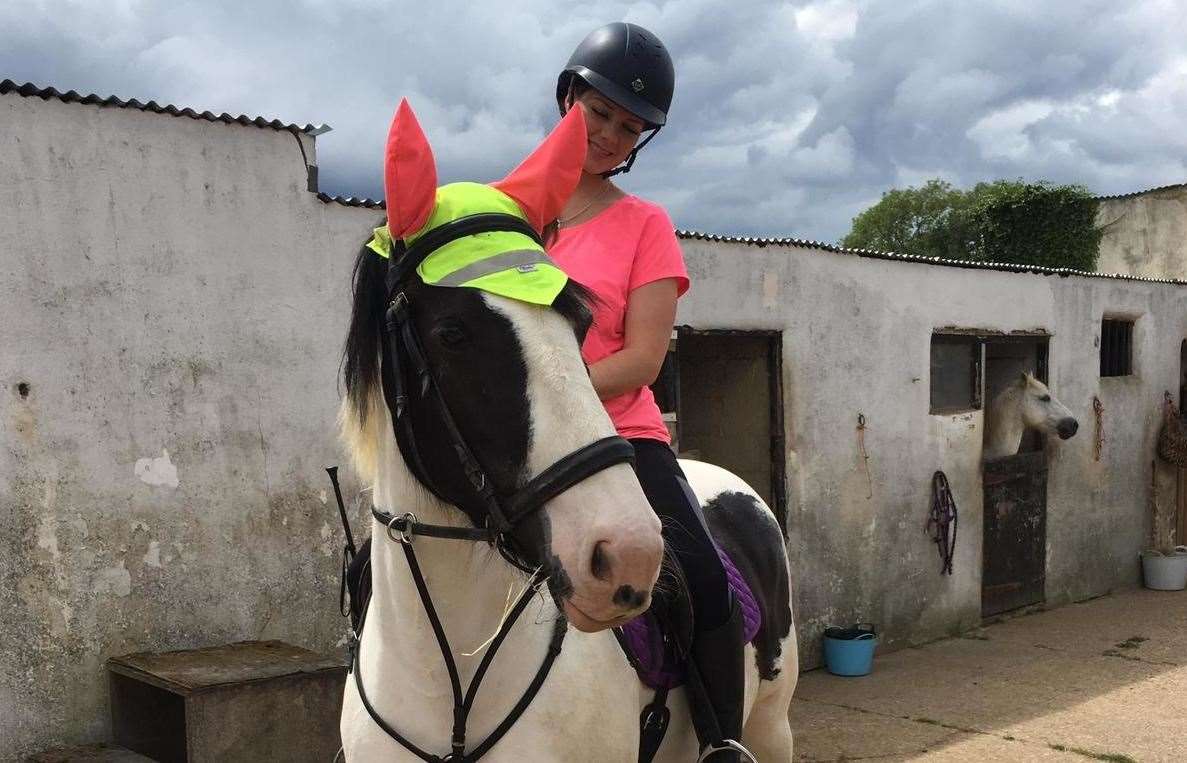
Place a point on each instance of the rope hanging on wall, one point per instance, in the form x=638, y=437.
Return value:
x=861, y=447
x=1098, y=408
x=941, y=522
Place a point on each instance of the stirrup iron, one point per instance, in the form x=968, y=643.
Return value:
x=728, y=745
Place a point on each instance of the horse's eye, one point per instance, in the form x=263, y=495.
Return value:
x=451, y=335
x=1045, y=398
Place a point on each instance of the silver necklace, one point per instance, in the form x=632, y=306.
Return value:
x=563, y=221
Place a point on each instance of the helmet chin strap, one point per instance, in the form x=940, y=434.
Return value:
x=570, y=101
x=630, y=159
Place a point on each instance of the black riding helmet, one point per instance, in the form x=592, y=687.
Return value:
x=631, y=67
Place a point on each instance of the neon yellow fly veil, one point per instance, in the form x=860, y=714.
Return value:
x=500, y=262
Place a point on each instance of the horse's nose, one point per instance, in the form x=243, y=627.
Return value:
x=1067, y=428
x=599, y=564
x=629, y=598
x=629, y=565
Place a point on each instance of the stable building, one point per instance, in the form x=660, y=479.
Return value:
x=174, y=301
x=884, y=365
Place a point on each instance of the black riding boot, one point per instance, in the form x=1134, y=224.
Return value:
x=718, y=677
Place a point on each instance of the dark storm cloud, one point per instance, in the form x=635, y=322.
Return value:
x=789, y=118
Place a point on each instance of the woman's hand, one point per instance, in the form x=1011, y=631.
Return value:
x=650, y=313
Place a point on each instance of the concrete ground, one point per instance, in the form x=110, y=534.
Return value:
x=1104, y=680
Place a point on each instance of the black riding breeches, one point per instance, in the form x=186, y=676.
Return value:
x=684, y=531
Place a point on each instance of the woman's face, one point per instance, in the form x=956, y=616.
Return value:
x=613, y=132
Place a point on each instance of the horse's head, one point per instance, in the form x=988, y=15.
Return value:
x=500, y=329
x=1043, y=412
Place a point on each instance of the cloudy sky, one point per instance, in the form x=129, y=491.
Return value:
x=789, y=118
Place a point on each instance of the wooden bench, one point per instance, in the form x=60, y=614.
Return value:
x=249, y=701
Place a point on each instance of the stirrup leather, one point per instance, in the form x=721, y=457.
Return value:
x=727, y=745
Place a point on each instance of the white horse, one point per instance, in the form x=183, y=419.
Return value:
x=514, y=380
x=1024, y=404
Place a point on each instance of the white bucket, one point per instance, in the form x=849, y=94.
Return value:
x=1165, y=573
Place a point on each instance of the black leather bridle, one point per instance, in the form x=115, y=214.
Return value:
x=409, y=380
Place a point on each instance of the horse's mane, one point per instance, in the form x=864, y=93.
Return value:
x=360, y=366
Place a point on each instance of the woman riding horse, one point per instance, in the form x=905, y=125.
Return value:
x=494, y=463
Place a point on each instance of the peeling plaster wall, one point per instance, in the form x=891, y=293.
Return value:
x=1145, y=235
x=172, y=307
x=856, y=339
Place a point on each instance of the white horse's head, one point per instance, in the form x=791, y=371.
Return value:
x=509, y=369
x=1040, y=410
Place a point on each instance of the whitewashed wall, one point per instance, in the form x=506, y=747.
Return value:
x=175, y=301
x=856, y=339
x=1145, y=234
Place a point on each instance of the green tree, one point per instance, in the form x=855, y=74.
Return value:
x=1035, y=224
x=1003, y=221
x=928, y=221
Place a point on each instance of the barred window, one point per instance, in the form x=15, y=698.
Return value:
x=1116, y=347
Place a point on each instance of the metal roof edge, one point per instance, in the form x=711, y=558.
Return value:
x=1132, y=194
x=352, y=201
x=30, y=90
x=1006, y=267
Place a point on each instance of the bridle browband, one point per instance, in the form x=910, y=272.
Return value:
x=403, y=361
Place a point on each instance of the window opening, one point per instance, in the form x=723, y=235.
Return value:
x=1116, y=347
x=955, y=373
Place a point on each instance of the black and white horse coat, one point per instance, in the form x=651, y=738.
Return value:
x=515, y=382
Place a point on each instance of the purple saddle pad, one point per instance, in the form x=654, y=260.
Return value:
x=654, y=659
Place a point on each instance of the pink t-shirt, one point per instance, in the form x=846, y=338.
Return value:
x=630, y=243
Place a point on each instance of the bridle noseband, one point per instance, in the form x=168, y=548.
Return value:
x=403, y=362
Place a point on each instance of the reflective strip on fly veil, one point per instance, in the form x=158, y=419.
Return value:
x=524, y=260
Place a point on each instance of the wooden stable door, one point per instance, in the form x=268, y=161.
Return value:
x=721, y=391
x=1181, y=503
x=1014, y=550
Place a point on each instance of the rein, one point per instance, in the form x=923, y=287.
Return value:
x=401, y=530
x=403, y=360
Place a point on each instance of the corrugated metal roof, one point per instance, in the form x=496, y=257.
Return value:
x=799, y=243
x=352, y=201
x=29, y=90
x=1007, y=267
x=1142, y=193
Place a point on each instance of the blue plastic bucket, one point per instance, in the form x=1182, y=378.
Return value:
x=850, y=651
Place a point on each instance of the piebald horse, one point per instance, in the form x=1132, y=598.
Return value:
x=1024, y=404
x=512, y=376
